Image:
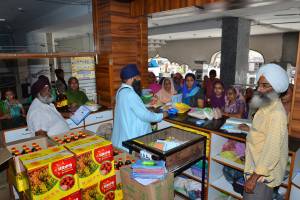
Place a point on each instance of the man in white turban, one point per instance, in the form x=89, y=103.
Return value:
x=267, y=141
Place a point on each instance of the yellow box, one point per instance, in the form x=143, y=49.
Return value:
x=51, y=173
x=19, y=180
x=104, y=189
x=94, y=156
x=61, y=138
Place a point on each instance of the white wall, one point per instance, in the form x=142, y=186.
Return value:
x=187, y=51
x=270, y=46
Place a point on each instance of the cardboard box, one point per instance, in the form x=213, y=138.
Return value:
x=51, y=173
x=74, y=196
x=18, y=180
x=43, y=142
x=5, y=156
x=161, y=189
x=94, y=157
x=104, y=189
x=60, y=139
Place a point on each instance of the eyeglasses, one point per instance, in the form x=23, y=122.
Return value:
x=263, y=85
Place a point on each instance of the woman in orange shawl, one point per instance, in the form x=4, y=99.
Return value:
x=165, y=94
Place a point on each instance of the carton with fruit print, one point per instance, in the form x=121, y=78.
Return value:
x=103, y=190
x=94, y=156
x=51, y=173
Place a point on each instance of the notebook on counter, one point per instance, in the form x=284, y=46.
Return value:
x=81, y=113
x=232, y=125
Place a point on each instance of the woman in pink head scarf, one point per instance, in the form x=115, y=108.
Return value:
x=167, y=91
x=153, y=85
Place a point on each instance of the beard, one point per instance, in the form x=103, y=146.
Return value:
x=260, y=100
x=137, y=87
x=46, y=99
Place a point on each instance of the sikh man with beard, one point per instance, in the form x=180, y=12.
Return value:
x=131, y=118
x=42, y=117
x=267, y=142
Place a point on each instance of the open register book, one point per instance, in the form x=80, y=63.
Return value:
x=231, y=125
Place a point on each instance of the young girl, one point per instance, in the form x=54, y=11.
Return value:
x=234, y=106
x=218, y=96
x=11, y=107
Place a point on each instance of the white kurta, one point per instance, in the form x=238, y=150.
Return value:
x=45, y=117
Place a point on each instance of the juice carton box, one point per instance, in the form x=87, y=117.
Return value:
x=18, y=180
x=71, y=136
x=125, y=158
x=51, y=173
x=94, y=157
x=74, y=196
x=104, y=189
x=17, y=149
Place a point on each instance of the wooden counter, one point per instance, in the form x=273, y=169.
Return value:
x=218, y=137
x=213, y=126
x=91, y=123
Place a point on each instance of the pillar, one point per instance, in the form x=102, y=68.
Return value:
x=234, y=50
x=120, y=39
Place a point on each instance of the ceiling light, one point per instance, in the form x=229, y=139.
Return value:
x=2, y=20
x=20, y=9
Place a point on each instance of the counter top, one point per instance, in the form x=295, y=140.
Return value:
x=213, y=126
x=209, y=126
x=103, y=108
x=20, y=122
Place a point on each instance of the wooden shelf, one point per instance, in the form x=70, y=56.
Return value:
x=237, y=166
x=188, y=173
x=223, y=185
x=228, y=162
x=181, y=195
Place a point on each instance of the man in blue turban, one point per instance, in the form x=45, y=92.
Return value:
x=132, y=119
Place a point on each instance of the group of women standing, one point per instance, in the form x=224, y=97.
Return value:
x=230, y=102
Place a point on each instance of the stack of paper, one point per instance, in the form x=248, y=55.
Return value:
x=156, y=171
x=232, y=125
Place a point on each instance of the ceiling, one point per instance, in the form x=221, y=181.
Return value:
x=268, y=17
x=16, y=14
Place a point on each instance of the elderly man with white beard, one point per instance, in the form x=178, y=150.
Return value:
x=42, y=117
x=267, y=142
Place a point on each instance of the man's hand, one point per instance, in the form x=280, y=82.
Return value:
x=244, y=127
x=40, y=133
x=250, y=183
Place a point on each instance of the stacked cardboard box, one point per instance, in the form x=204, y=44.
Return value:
x=123, y=156
x=16, y=171
x=160, y=189
x=51, y=174
x=95, y=167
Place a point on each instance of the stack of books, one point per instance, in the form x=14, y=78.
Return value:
x=146, y=169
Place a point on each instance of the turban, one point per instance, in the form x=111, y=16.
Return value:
x=39, y=85
x=129, y=71
x=275, y=75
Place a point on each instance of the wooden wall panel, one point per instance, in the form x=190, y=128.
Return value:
x=294, y=121
x=119, y=35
